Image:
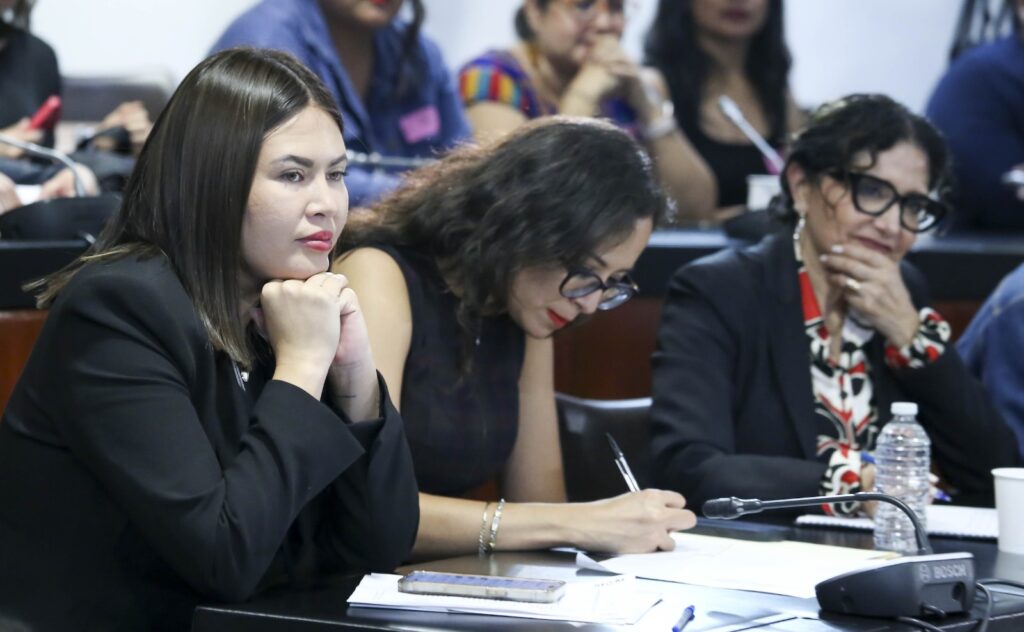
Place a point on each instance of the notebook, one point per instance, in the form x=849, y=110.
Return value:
x=943, y=520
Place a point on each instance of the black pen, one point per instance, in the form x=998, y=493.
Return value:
x=620, y=462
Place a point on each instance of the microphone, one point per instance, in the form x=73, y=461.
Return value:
x=374, y=159
x=729, y=508
x=918, y=585
x=50, y=154
x=735, y=116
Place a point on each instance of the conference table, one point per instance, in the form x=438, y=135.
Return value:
x=322, y=606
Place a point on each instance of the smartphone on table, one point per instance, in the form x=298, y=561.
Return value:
x=482, y=586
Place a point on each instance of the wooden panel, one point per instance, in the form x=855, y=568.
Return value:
x=607, y=358
x=18, y=332
x=610, y=356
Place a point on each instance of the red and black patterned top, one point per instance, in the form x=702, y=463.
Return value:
x=844, y=401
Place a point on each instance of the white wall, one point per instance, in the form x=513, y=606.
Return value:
x=839, y=46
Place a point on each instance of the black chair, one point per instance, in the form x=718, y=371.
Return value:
x=59, y=219
x=590, y=472
x=92, y=98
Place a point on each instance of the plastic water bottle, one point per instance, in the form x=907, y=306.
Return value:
x=903, y=459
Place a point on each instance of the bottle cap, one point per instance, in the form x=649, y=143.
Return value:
x=904, y=408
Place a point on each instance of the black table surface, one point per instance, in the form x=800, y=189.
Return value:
x=958, y=266
x=322, y=606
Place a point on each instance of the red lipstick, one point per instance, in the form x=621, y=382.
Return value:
x=557, y=320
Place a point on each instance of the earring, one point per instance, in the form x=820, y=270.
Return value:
x=799, y=229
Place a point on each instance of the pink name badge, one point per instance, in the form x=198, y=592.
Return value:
x=420, y=124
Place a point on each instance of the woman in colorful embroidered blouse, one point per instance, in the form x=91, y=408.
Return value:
x=570, y=61
x=775, y=364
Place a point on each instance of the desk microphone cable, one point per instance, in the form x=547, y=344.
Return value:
x=982, y=586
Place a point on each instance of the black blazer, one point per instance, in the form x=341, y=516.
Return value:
x=733, y=410
x=138, y=477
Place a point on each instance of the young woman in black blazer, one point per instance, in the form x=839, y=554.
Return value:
x=201, y=415
x=755, y=394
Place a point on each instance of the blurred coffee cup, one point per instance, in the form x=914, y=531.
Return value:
x=1010, y=508
x=761, y=188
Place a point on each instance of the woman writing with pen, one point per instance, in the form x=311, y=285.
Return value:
x=475, y=263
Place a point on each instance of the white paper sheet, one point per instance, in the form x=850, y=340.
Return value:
x=782, y=568
x=961, y=522
x=618, y=600
x=28, y=193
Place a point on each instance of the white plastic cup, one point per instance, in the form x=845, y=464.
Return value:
x=1010, y=508
x=760, y=191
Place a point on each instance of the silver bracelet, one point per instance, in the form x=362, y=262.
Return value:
x=495, y=523
x=482, y=538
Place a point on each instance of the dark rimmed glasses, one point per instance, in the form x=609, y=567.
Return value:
x=581, y=282
x=874, y=196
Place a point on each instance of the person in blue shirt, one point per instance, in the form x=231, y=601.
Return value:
x=991, y=348
x=391, y=83
x=977, y=105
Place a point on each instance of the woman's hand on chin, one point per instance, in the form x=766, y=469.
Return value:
x=872, y=284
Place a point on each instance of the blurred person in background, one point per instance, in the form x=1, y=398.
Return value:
x=570, y=60
x=709, y=48
x=390, y=81
x=29, y=76
x=979, y=106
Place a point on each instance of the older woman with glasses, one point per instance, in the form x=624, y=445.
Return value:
x=570, y=61
x=776, y=364
x=475, y=263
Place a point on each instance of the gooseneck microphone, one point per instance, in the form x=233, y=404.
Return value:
x=735, y=115
x=374, y=159
x=919, y=585
x=729, y=508
x=50, y=154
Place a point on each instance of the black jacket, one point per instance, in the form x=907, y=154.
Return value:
x=733, y=410
x=138, y=477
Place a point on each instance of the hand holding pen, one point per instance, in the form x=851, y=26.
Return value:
x=620, y=462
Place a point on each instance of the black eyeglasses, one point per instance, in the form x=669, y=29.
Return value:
x=874, y=196
x=581, y=282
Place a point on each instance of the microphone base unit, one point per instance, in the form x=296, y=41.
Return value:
x=921, y=585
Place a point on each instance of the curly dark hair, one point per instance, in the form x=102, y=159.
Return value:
x=671, y=46
x=554, y=191
x=841, y=130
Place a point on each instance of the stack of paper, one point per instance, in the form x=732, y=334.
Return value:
x=618, y=601
x=959, y=522
x=783, y=568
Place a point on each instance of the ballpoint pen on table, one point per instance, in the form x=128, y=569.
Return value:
x=867, y=457
x=686, y=617
x=620, y=462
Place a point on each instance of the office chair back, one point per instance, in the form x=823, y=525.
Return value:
x=590, y=471
x=60, y=219
x=92, y=98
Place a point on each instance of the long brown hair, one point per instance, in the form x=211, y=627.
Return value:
x=188, y=193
